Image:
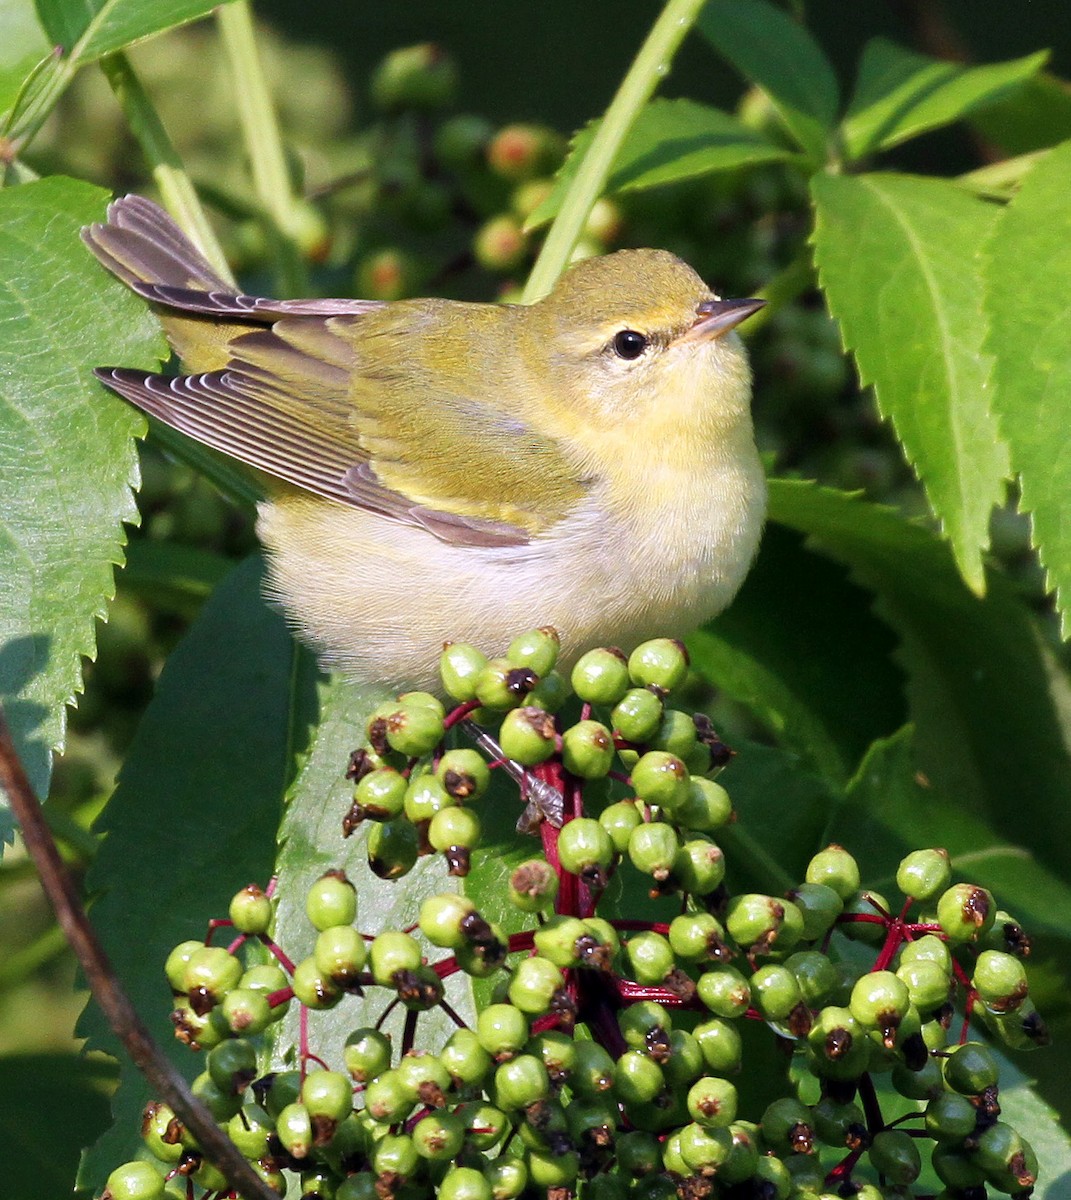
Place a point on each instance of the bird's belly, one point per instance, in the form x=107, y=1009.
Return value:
x=377, y=599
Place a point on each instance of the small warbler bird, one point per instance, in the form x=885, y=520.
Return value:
x=439, y=470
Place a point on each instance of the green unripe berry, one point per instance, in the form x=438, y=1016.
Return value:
x=293, y=1128
x=250, y=910
x=421, y=77
x=775, y=992
x=637, y=1078
x=535, y=983
x=956, y=1170
x=638, y=715
x=553, y=1171
x=162, y=1132
x=928, y=948
x=395, y=1156
x=676, y=734
x=1007, y=1159
x=699, y=867
x=332, y=900
x=518, y=152
x=393, y=951
x=787, y=1127
x=724, y=991
x=454, y=828
x=820, y=906
x=706, y=807
x=970, y=1069
x=520, y=1082
x=527, y=735
x=697, y=937
x=249, y=1130
x=838, y=1047
x=500, y=244
x=440, y=1136
x=507, y=1177
x=461, y=141
x=662, y=779
x=536, y=649
x=653, y=848
x=950, y=1117
x=928, y=985
x=585, y=849
x=232, y=1065
x=638, y=1154
x=386, y=1100
x=339, y=953
x=704, y=1150
x=593, y=1071
x=650, y=956
x=210, y=973
x=444, y=918
x=965, y=912
x=464, y=1183
x=135, y=1181
x=550, y=693
x=815, y=974
x=880, y=1001
x=720, y=1044
x=560, y=939
x=247, y=1011
x=533, y=886
x=587, y=750
x=328, y=1095
x=312, y=987
x=924, y=874
x=464, y=774
x=393, y=848
x=176, y=963
x=601, y=676
x=424, y=797
x=502, y=1030
x=380, y=795
x=366, y=1054
x=872, y=906
x=500, y=686
x=896, y=1156
x=460, y=666
x=755, y=920
x=712, y=1102
x=837, y=869
x=619, y=820
x=414, y=728
x=923, y=1084
x=661, y=663
x=1000, y=980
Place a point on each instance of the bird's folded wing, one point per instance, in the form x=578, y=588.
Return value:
x=285, y=404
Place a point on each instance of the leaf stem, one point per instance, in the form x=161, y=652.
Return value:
x=649, y=67
x=170, y=176
x=146, y=1055
x=260, y=128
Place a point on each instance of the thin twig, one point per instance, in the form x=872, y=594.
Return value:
x=146, y=1055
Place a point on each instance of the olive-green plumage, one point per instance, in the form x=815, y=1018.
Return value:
x=450, y=471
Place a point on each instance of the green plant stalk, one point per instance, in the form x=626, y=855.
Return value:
x=650, y=65
x=170, y=176
x=260, y=128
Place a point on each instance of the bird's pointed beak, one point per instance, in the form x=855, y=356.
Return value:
x=714, y=318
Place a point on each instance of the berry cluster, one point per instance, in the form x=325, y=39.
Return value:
x=605, y=1062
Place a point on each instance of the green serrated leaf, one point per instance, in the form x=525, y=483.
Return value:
x=311, y=843
x=93, y=28
x=1034, y=116
x=990, y=703
x=670, y=140
x=800, y=647
x=783, y=812
x=771, y=50
x=892, y=810
x=67, y=459
x=898, y=258
x=50, y=1106
x=1029, y=261
x=194, y=815
x=900, y=94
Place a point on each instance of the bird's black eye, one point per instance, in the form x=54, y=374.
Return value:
x=629, y=344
